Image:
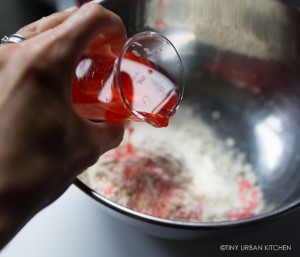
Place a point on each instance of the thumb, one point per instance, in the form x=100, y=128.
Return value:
x=94, y=140
x=106, y=135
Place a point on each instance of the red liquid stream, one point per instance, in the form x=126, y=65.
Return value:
x=94, y=97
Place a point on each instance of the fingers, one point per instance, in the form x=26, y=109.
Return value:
x=74, y=34
x=45, y=23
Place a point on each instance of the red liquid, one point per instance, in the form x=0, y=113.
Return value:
x=96, y=95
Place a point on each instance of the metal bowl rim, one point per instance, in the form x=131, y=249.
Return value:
x=185, y=224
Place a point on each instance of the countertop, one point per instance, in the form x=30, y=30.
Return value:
x=75, y=226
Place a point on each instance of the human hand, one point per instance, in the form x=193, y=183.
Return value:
x=45, y=144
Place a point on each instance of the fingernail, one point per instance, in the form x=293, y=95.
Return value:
x=97, y=1
x=71, y=9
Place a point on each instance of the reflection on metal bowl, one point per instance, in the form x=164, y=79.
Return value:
x=243, y=59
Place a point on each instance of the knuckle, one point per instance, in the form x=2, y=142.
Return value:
x=29, y=29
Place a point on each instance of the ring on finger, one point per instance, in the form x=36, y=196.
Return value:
x=14, y=38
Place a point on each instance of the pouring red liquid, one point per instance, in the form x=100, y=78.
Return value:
x=133, y=89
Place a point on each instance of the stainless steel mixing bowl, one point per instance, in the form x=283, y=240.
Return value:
x=241, y=57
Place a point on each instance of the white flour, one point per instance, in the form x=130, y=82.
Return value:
x=181, y=172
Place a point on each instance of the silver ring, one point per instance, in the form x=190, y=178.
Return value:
x=14, y=38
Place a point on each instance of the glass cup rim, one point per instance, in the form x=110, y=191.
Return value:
x=118, y=71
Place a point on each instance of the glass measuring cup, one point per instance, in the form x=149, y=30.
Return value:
x=144, y=83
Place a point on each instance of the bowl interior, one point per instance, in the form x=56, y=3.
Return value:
x=242, y=60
